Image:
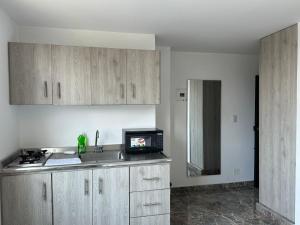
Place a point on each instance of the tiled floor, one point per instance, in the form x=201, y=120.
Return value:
x=218, y=207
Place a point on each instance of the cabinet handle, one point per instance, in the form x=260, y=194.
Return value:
x=152, y=204
x=122, y=90
x=86, y=187
x=59, y=90
x=152, y=179
x=46, y=89
x=100, y=186
x=133, y=90
x=44, y=191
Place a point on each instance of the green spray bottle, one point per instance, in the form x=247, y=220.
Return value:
x=82, y=141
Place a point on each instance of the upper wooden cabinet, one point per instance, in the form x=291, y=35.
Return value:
x=143, y=77
x=30, y=74
x=67, y=75
x=108, y=76
x=71, y=74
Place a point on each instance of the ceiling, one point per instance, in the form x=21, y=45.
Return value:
x=233, y=26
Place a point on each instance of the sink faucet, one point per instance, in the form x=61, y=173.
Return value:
x=98, y=148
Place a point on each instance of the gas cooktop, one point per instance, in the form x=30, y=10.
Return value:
x=30, y=158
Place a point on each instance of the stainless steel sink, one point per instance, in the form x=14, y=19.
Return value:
x=105, y=156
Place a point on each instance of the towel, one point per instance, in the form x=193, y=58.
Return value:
x=60, y=162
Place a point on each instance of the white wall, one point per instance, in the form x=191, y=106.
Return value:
x=60, y=126
x=237, y=74
x=42, y=126
x=8, y=124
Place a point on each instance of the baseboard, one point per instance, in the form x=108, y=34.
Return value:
x=275, y=216
x=214, y=187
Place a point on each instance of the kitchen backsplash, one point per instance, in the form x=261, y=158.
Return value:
x=46, y=126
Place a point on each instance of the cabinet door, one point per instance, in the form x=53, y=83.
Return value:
x=72, y=198
x=26, y=199
x=71, y=71
x=143, y=77
x=149, y=177
x=111, y=196
x=30, y=74
x=108, y=77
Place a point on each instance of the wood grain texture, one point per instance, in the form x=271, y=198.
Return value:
x=143, y=77
x=26, y=200
x=71, y=70
x=108, y=76
x=72, y=198
x=278, y=78
x=30, y=74
x=212, y=126
x=151, y=220
x=148, y=203
x=111, y=196
x=149, y=177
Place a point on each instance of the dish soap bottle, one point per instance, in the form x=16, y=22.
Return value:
x=82, y=143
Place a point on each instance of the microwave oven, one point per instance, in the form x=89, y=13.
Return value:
x=147, y=140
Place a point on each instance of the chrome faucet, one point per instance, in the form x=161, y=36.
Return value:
x=98, y=148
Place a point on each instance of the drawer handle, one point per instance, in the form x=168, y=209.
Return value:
x=86, y=187
x=152, y=204
x=45, y=191
x=122, y=90
x=133, y=90
x=152, y=179
x=100, y=186
x=59, y=90
x=45, y=89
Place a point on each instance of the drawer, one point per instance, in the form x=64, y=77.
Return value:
x=149, y=203
x=151, y=220
x=149, y=177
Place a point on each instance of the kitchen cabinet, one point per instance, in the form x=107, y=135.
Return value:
x=26, y=199
x=149, y=203
x=111, y=196
x=150, y=194
x=143, y=77
x=149, y=177
x=68, y=75
x=108, y=76
x=71, y=74
x=122, y=195
x=72, y=197
x=30, y=74
x=151, y=220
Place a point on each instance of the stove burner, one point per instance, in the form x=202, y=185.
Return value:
x=30, y=156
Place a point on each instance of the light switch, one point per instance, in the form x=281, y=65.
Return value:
x=181, y=94
x=235, y=118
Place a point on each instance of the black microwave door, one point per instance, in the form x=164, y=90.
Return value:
x=139, y=141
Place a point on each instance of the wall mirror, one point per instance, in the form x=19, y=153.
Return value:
x=203, y=127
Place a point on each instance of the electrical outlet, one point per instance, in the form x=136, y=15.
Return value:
x=236, y=172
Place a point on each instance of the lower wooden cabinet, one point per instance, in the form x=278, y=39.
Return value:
x=72, y=198
x=150, y=194
x=148, y=203
x=151, y=220
x=26, y=200
x=87, y=197
x=149, y=177
x=111, y=196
